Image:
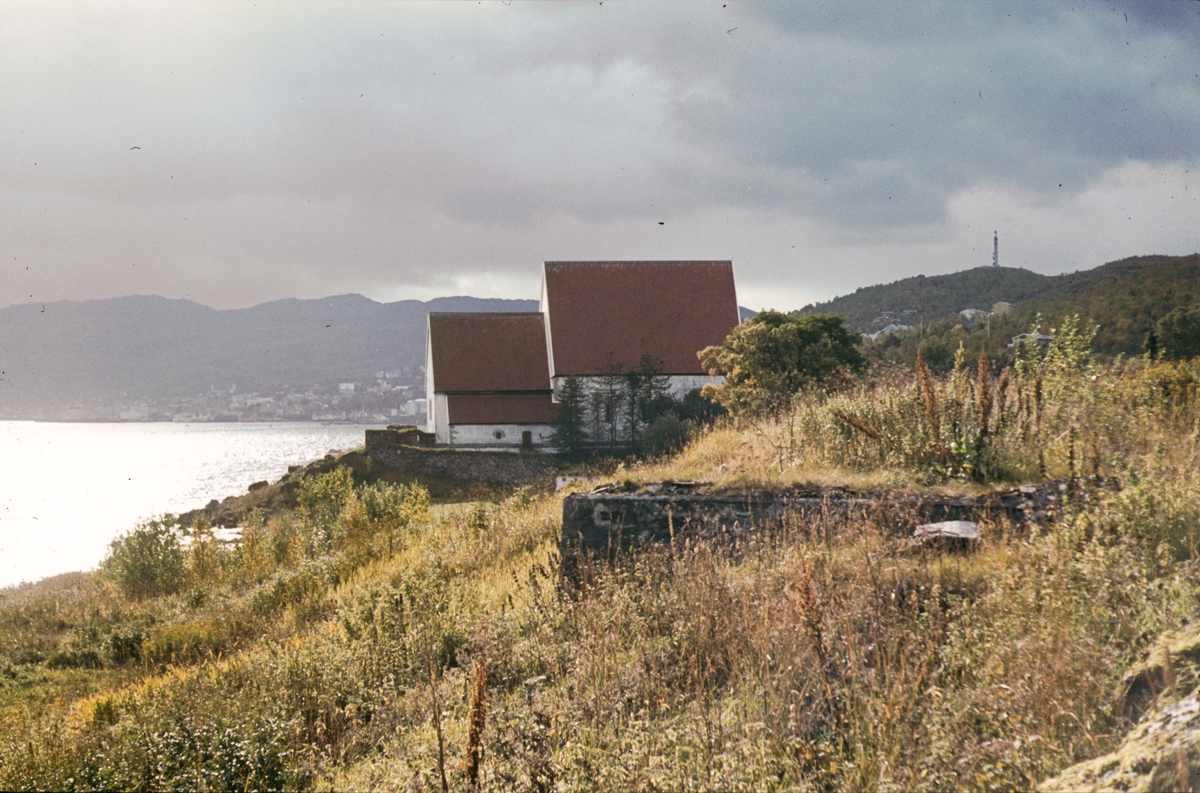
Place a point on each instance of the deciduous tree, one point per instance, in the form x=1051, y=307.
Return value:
x=773, y=355
x=1179, y=333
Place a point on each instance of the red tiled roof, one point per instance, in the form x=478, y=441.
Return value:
x=488, y=352
x=499, y=408
x=602, y=311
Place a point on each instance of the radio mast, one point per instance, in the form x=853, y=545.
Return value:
x=996, y=249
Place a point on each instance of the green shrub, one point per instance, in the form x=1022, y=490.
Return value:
x=389, y=510
x=283, y=541
x=254, y=554
x=104, y=712
x=302, y=589
x=125, y=645
x=401, y=504
x=664, y=435
x=205, y=558
x=408, y=628
x=149, y=560
x=28, y=656
x=698, y=408
x=185, y=643
x=772, y=355
x=86, y=658
x=320, y=501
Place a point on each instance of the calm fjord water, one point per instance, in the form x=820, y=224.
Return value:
x=66, y=490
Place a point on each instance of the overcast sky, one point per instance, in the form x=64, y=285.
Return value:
x=233, y=154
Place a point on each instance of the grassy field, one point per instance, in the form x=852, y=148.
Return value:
x=366, y=640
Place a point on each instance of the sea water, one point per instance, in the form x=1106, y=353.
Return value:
x=67, y=490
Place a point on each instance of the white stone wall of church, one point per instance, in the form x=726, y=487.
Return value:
x=439, y=418
x=481, y=436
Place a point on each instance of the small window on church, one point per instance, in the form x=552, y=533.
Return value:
x=498, y=434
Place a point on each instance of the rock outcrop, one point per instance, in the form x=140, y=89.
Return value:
x=1162, y=752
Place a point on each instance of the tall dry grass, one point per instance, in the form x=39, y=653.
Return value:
x=363, y=643
x=833, y=660
x=1055, y=415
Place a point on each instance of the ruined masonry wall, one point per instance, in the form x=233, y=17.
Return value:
x=505, y=468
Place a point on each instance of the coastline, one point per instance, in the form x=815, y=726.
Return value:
x=119, y=474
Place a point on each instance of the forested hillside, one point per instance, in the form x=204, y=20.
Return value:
x=1125, y=298
x=936, y=296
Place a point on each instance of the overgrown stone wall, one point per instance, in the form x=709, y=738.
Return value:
x=610, y=518
x=500, y=468
x=398, y=435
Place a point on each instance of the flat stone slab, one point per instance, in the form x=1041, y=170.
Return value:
x=949, y=529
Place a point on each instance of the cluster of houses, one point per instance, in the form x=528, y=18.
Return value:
x=970, y=317
x=890, y=323
x=893, y=327
x=493, y=380
x=887, y=317
x=978, y=314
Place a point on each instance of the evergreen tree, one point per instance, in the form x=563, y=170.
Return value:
x=1151, y=345
x=612, y=399
x=646, y=396
x=570, y=419
x=597, y=415
x=633, y=382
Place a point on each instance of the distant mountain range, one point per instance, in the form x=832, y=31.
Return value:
x=152, y=347
x=1125, y=297
x=146, y=347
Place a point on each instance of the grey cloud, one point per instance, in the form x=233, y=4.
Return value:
x=931, y=98
x=325, y=146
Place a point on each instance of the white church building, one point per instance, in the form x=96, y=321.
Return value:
x=492, y=379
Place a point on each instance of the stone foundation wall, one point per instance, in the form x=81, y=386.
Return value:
x=607, y=520
x=500, y=468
